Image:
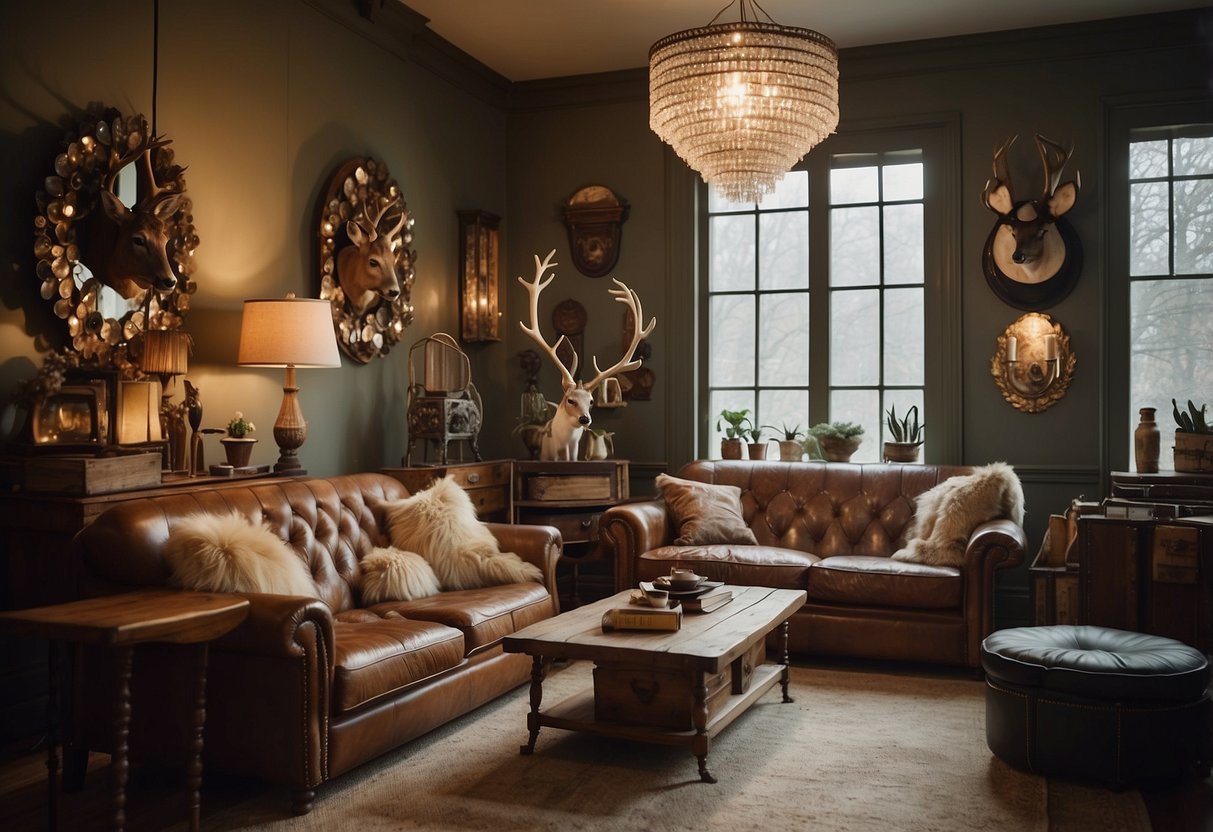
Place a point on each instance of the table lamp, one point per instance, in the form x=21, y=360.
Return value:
x=288, y=332
x=166, y=354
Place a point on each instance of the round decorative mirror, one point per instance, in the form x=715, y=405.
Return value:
x=114, y=237
x=366, y=264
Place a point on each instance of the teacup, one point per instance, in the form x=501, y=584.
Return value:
x=657, y=597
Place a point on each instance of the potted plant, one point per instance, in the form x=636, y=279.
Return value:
x=238, y=445
x=906, y=435
x=1193, y=439
x=837, y=440
x=737, y=431
x=756, y=447
x=790, y=447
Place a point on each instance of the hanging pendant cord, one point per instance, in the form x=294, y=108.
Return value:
x=155, y=58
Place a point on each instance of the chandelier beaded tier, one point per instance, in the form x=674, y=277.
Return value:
x=743, y=102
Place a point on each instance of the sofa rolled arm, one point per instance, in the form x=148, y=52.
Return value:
x=281, y=625
x=994, y=545
x=539, y=545
x=632, y=529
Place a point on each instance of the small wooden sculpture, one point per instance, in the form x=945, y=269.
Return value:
x=193, y=408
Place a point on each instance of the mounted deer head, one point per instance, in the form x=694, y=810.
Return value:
x=367, y=267
x=562, y=435
x=1023, y=245
x=126, y=248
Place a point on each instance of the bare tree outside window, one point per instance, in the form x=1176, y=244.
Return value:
x=1170, y=269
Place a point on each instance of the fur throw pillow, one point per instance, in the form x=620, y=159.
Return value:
x=227, y=553
x=390, y=574
x=948, y=513
x=705, y=513
x=441, y=525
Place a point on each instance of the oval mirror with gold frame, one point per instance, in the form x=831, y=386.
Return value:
x=114, y=237
x=366, y=263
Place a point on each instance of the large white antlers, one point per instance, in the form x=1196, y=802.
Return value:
x=533, y=289
x=627, y=363
x=623, y=295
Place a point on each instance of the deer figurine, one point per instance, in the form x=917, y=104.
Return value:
x=127, y=247
x=1021, y=246
x=367, y=268
x=561, y=436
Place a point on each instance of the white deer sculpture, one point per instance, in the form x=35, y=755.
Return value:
x=562, y=433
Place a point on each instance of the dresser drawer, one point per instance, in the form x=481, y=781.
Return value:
x=479, y=476
x=574, y=526
x=488, y=500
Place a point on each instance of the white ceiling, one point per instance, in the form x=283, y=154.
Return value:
x=528, y=39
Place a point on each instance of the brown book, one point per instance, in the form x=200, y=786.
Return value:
x=642, y=618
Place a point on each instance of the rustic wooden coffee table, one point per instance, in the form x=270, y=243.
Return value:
x=673, y=688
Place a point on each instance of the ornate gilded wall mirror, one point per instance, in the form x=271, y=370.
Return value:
x=114, y=237
x=366, y=264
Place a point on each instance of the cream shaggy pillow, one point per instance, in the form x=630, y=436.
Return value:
x=390, y=574
x=948, y=513
x=705, y=513
x=440, y=524
x=227, y=553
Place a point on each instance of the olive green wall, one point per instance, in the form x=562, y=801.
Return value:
x=264, y=100
x=1056, y=81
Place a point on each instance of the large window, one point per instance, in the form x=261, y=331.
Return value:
x=799, y=335
x=1170, y=268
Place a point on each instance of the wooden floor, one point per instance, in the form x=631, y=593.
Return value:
x=156, y=800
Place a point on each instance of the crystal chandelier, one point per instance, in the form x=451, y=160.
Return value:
x=742, y=102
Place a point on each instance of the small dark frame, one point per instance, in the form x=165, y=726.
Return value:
x=67, y=417
x=1035, y=297
x=105, y=383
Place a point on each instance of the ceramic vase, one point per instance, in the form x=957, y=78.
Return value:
x=757, y=450
x=790, y=450
x=1146, y=442
x=238, y=451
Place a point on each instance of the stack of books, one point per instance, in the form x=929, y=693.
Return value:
x=711, y=600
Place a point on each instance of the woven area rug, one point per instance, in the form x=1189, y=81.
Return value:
x=855, y=751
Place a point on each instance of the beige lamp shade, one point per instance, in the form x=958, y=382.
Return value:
x=288, y=332
x=166, y=351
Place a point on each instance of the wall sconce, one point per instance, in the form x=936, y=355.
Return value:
x=479, y=246
x=1033, y=365
x=288, y=332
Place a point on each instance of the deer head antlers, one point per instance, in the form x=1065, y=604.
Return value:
x=623, y=295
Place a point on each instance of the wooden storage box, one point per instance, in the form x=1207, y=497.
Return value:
x=642, y=696
x=573, y=487
x=86, y=475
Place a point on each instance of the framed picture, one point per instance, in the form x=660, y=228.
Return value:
x=68, y=417
x=105, y=383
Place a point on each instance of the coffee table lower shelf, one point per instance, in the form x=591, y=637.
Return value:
x=576, y=713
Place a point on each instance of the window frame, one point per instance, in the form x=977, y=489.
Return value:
x=1122, y=117
x=938, y=137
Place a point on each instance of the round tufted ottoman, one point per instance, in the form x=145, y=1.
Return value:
x=1096, y=704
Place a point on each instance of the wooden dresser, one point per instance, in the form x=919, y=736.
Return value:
x=489, y=484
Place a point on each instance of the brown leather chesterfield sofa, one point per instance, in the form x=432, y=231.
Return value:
x=829, y=529
x=307, y=689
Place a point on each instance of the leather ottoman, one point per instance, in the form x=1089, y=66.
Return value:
x=1096, y=704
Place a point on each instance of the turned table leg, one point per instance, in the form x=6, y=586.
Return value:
x=699, y=718
x=119, y=763
x=538, y=671
x=785, y=660
x=193, y=767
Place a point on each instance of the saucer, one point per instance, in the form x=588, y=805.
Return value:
x=687, y=585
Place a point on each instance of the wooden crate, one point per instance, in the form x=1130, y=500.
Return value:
x=570, y=487
x=661, y=698
x=81, y=475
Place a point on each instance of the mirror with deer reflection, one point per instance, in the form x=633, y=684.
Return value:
x=114, y=237
x=366, y=263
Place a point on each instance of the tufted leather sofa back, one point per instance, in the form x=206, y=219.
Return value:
x=825, y=508
x=332, y=523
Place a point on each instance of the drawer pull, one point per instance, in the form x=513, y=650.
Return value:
x=585, y=524
x=644, y=691
x=473, y=477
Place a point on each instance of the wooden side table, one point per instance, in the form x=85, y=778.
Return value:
x=118, y=623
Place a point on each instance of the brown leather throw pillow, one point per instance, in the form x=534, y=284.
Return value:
x=705, y=513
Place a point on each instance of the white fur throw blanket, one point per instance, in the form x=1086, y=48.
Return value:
x=948, y=513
